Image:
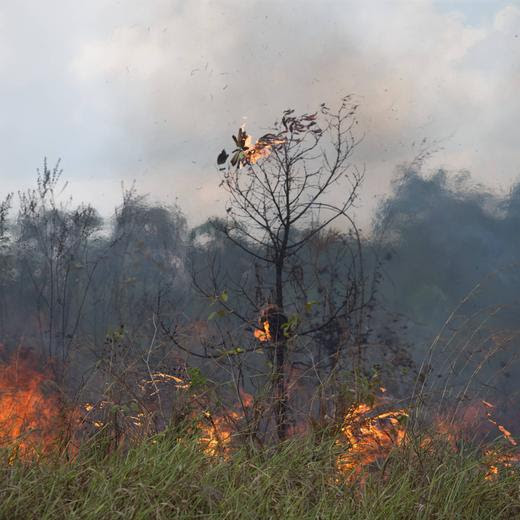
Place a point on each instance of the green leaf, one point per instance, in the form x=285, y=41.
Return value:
x=309, y=305
x=218, y=314
x=233, y=351
x=291, y=325
x=196, y=377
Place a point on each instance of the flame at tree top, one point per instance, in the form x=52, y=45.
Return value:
x=248, y=153
x=263, y=147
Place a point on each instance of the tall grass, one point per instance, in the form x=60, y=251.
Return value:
x=169, y=476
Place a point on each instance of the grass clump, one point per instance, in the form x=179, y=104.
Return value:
x=170, y=477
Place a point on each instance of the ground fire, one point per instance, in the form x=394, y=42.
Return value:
x=29, y=413
x=369, y=435
x=217, y=432
x=30, y=420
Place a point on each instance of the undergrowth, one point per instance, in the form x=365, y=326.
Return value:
x=170, y=476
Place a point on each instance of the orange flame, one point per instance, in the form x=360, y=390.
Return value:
x=30, y=418
x=503, y=430
x=263, y=335
x=262, y=149
x=496, y=461
x=217, y=433
x=247, y=153
x=28, y=415
x=369, y=438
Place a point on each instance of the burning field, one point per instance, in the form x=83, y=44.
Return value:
x=372, y=461
x=372, y=445
x=33, y=423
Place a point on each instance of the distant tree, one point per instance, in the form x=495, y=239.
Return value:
x=146, y=263
x=6, y=259
x=55, y=266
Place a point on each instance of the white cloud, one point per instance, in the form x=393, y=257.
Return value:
x=155, y=91
x=507, y=20
x=130, y=49
x=3, y=47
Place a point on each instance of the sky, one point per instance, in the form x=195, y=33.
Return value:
x=151, y=90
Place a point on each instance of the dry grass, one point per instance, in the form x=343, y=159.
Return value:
x=170, y=476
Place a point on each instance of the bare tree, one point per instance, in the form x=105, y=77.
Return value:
x=54, y=251
x=288, y=191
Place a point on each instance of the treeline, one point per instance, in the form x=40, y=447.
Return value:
x=143, y=290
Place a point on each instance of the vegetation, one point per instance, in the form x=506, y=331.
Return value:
x=167, y=477
x=269, y=364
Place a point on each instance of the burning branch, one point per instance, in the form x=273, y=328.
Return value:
x=247, y=153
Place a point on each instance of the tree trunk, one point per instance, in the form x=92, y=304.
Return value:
x=280, y=346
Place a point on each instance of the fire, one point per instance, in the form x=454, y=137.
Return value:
x=161, y=377
x=265, y=334
x=496, y=461
x=503, y=430
x=217, y=433
x=507, y=434
x=492, y=473
x=247, y=153
x=30, y=421
x=472, y=420
x=28, y=414
x=369, y=438
x=262, y=148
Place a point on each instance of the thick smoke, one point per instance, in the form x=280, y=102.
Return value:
x=452, y=268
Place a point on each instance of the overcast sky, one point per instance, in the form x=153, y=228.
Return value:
x=151, y=90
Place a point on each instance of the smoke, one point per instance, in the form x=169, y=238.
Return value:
x=452, y=268
x=447, y=233
x=153, y=93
